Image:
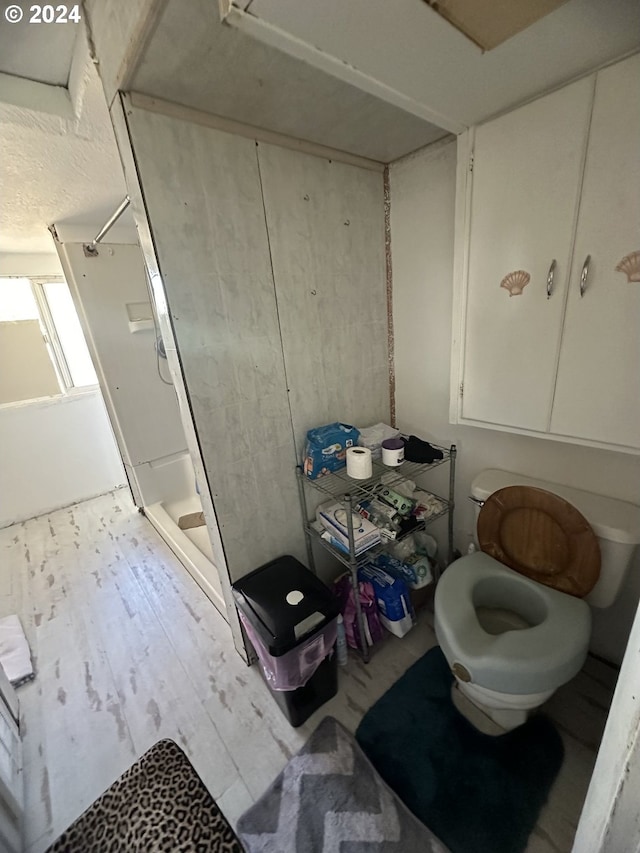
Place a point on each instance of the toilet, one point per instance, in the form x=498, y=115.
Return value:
x=513, y=619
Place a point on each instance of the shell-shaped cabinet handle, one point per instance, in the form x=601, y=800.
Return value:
x=630, y=266
x=515, y=282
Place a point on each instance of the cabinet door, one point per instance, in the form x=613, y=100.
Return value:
x=526, y=178
x=598, y=390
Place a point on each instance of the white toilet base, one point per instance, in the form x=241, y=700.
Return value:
x=506, y=709
x=478, y=718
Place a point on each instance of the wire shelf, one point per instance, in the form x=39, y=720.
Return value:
x=338, y=484
x=360, y=560
x=316, y=530
x=340, y=487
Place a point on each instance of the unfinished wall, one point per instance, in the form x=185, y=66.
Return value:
x=422, y=238
x=241, y=303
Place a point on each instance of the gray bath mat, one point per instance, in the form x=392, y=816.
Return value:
x=330, y=798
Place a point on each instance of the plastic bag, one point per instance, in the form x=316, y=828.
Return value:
x=326, y=448
x=372, y=627
x=294, y=668
x=392, y=594
x=373, y=436
x=395, y=567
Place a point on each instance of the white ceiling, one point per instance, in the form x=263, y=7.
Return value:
x=40, y=52
x=194, y=60
x=410, y=50
x=59, y=160
x=371, y=77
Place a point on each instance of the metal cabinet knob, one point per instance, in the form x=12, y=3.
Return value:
x=584, y=275
x=550, y=277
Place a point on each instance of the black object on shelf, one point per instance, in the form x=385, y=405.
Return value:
x=288, y=607
x=417, y=450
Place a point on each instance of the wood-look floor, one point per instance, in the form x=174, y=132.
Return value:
x=129, y=650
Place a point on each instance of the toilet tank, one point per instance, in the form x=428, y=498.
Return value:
x=616, y=524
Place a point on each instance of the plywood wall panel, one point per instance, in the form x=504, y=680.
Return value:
x=204, y=202
x=326, y=230
x=273, y=265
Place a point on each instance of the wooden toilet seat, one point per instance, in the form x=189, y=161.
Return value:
x=542, y=536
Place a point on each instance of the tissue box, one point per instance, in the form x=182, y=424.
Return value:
x=333, y=517
x=326, y=448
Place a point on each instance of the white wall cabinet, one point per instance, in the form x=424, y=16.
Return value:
x=598, y=388
x=525, y=188
x=546, y=186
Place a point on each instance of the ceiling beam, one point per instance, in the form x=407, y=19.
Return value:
x=238, y=128
x=26, y=102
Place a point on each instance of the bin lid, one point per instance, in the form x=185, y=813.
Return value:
x=285, y=603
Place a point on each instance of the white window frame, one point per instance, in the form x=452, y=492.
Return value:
x=51, y=338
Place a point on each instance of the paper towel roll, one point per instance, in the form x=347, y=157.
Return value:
x=359, y=464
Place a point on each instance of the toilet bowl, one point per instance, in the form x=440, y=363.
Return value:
x=508, y=671
x=512, y=619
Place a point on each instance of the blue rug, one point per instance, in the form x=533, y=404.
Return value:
x=477, y=793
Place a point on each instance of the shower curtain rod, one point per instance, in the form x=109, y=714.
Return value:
x=90, y=249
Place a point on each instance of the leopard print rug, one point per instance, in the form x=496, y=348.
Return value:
x=159, y=805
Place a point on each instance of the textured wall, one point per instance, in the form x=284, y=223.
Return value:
x=59, y=157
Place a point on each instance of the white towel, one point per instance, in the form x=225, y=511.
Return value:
x=15, y=655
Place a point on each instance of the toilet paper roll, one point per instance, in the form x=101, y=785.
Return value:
x=359, y=465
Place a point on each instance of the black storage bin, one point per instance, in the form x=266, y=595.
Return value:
x=291, y=618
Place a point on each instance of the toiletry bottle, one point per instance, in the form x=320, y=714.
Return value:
x=341, y=642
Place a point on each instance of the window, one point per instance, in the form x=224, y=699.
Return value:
x=67, y=336
x=43, y=352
